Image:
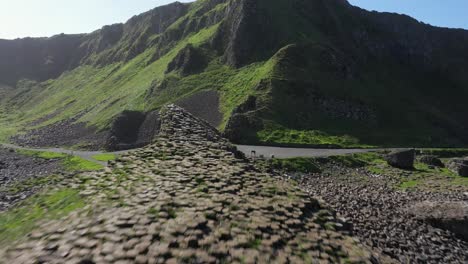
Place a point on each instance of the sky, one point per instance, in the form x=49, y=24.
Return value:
x=40, y=18
x=442, y=13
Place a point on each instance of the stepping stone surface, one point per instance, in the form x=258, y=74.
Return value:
x=187, y=198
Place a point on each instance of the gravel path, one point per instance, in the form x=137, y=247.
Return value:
x=280, y=152
x=247, y=150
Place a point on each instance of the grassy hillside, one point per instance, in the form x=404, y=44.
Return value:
x=320, y=72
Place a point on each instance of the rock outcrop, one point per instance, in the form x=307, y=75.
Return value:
x=243, y=122
x=41, y=59
x=205, y=105
x=459, y=166
x=431, y=160
x=133, y=129
x=403, y=159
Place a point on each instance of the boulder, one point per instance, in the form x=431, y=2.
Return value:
x=451, y=216
x=432, y=161
x=459, y=166
x=403, y=159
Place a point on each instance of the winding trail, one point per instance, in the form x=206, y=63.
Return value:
x=267, y=152
x=279, y=152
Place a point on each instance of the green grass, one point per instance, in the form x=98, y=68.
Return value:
x=290, y=83
x=234, y=85
x=105, y=91
x=73, y=163
x=433, y=179
x=16, y=223
x=69, y=162
x=290, y=137
x=460, y=181
x=43, y=154
x=409, y=184
x=104, y=157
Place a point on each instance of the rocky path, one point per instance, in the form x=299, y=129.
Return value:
x=188, y=199
x=280, y=152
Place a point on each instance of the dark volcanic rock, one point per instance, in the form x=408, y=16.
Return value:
x=432, y=161
x=240, y=127
x=459, y=166
x=15, y=169
x=243, y=122
x=452, y=216
x=381, y=216
x=126, y=125
x=63, y=133
x=204, y=105
x=403, y=159
x=132, y=129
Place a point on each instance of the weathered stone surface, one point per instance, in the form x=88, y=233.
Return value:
x=432, y=161
x=187, y=198
x=403, y=159
x=133, y=129
x=459, y=166
x=16, y=168
x=380, y=212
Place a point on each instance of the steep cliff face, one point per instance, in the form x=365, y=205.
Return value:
x=344, y=70
x=41, y=59
x=321, y=72
x=38, y=59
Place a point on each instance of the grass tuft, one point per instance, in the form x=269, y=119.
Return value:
x=16, y=223
x=104, y=157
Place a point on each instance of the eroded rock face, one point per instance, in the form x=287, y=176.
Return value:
x=459, y=166
x=46, y=58
x=204, y=105
x=243, y=122
x=189, y=60
x=452, y=216
x=403, y=159
x=16, y=169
